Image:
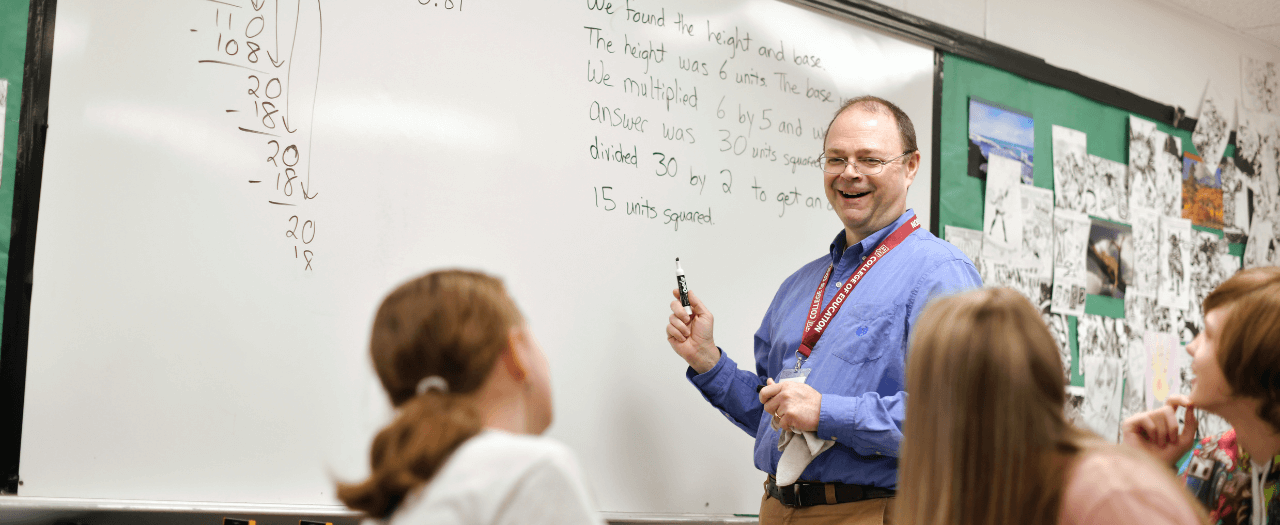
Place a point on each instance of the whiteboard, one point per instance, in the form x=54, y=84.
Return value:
x=203, y=295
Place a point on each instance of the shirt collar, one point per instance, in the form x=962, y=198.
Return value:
x=838, y=248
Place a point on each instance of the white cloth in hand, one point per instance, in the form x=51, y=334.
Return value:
x=798, y=449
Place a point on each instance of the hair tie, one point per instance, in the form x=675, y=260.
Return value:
x=430, y=383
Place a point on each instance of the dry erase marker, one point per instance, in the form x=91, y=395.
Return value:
x=684, y=288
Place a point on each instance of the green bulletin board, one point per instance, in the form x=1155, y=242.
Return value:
x=960, y=198
x=13, y=52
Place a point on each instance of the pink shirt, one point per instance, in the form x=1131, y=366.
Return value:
x=1108, y=486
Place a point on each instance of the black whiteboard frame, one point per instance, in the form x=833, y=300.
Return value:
x=34, y=119
x=33, y=124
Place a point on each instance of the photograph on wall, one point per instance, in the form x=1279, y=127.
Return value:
x=1002, y=211
x=1070, y=242
x=1213, y=129
x=1107, y=193
x=1106, y=261
x=1201, y=192
x=1144, y=146
x=1070, y=165
x=1259, y=85
x=1073, y=411
x=1174, y=262
x=1037, y=229
x=1003, y=131
x=968, y=241
x=1169, y=175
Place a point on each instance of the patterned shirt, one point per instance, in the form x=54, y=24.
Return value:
x=1218, y=474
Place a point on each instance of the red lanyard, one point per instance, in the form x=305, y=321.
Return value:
x=813, y=327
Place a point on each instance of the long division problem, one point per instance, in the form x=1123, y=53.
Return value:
x=275, y=46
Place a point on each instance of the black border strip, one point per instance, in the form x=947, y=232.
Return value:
x=943, y=38
x=33, y=124
x=935, y=162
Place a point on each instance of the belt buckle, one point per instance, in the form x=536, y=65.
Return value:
x=795, y=491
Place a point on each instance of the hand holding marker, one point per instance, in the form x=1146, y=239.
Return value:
x=684, y=288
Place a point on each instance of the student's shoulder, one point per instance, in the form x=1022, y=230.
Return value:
x=515, y=453
x=1109, y=483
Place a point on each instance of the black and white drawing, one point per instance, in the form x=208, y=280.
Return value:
x=1212, y=129
x=1259, y=85
x=1235, y=202
x=1145, y=253
x=1169, y=175
x=1061, y=334
x=1002, y=210
x=1144, y=147
x=1037, y=229
x=1070, y=165
x=1107, y=195
x=1134, y=399
x=1104, y=383
x=1101, y=336
x=1174, y=262
x=1070, y=240
x=968, y=241
x=1210, y=266
x=1263, y=248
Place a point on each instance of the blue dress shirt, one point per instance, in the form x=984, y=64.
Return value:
x=859, y=365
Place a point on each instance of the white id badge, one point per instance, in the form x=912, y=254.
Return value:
x=792, y=374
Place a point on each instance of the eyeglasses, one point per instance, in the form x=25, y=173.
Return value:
x=863, y=165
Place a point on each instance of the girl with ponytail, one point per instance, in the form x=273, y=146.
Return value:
x=472, y=392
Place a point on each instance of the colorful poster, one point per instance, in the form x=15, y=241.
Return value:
x=1201, y=192
x=1161, y=349
x=998, y=130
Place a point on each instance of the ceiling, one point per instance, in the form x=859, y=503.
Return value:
x=1259, y=19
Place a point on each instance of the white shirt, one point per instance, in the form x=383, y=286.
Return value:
x=498, y=478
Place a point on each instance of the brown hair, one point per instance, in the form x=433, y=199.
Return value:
x=985, y=438
x=1248, y=348
x=454, y=324
x=906, y=130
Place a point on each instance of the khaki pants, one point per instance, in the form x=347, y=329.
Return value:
x=866, y=512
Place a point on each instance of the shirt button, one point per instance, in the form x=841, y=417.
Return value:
x=838, y=284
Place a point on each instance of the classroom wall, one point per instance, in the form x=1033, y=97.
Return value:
x=1155, y=50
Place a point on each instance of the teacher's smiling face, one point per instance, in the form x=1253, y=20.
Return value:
x=865, y=133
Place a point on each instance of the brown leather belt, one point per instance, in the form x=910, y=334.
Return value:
x=805, y=494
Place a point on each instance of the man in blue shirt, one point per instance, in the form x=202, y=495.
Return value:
x=853, y=394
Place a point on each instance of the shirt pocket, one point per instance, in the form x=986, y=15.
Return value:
x=867, y=334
